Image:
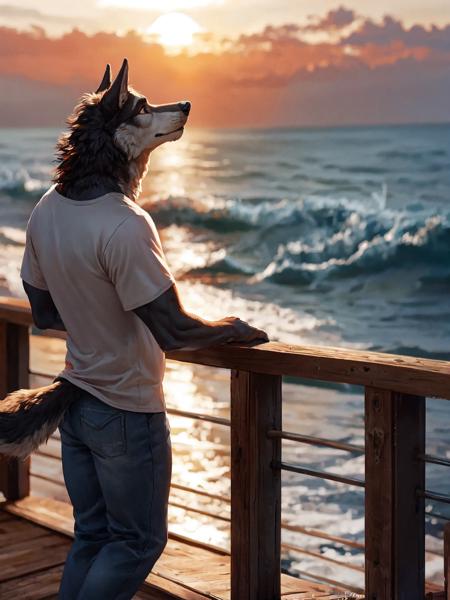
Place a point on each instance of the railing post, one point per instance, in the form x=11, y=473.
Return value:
x=14, y=363
x=255, y=486
x=395, y=538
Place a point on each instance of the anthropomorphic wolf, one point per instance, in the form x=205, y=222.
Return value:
x=94, y=267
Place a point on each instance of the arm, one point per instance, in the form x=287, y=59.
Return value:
x=135, y=263
x=176, y=329
x=45, y=313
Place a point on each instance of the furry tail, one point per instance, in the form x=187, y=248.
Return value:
x=29, y=417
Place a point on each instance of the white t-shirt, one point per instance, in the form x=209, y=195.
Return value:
x=100, y=259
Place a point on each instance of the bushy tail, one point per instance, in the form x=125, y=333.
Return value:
x=29, y=417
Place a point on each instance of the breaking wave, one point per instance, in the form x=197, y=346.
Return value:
x=363, y=246
x=24, y=184
x=310, y=240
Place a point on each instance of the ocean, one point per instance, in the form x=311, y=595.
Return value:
x=327, y=236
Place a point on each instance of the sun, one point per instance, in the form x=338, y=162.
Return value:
x=174, y=30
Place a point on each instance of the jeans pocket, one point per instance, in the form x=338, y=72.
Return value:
x=104, y=431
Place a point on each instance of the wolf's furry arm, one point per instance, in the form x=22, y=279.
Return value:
x=45, y=313
x=176, y=329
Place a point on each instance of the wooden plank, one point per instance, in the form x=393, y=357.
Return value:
x=170, y=589
x=293, y=585
x=15, y=530
x=183, y=571
x=395, y=552
x=58, y=516
x=35, y=586
x=33, y=555
x=14, y=362
x=407, y=374
x=50, y=513
x=15, y=310
x=46, y=552
x=17, y=536
x=255, y=486
x=25, y=574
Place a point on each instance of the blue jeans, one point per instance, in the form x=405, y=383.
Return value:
x=117, y=467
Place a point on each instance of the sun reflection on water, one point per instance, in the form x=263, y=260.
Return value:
x=201, y=458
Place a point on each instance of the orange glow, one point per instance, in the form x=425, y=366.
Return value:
x=261, y=80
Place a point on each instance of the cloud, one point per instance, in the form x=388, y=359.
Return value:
x=371, y=72
x=389, y=29
x=335, y=19
x=17, y=14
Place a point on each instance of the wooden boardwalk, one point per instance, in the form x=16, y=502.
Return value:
x=395, y=392
x=32, y=560
x=34, y=545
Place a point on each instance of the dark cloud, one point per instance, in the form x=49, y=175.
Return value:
x=363, y=31
x=335, y=19
x=390, y=29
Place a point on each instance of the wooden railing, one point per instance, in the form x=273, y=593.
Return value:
x=395, y=457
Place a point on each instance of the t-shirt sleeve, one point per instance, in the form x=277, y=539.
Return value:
x=30, y=271
x=135, y=263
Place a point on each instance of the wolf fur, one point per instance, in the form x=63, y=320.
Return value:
x=29, y=417
x=111, y=134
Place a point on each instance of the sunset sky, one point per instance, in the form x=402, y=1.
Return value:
x=252, y=63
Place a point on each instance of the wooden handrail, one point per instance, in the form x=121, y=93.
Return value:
x=395, y=392
x=15, y=310
x=406, y=374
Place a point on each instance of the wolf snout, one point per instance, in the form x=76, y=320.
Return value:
x=185, y=107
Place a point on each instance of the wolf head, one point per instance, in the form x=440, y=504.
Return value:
x=112, y=132
x=138, y=126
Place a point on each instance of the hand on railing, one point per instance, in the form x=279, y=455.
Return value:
x=244, y=332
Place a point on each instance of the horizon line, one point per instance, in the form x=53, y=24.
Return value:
x=292, y=127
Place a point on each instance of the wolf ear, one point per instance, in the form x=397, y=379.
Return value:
x=117, y=94
x=106, y=81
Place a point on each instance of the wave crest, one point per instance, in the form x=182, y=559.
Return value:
x=363, y=246
x=306, y=241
